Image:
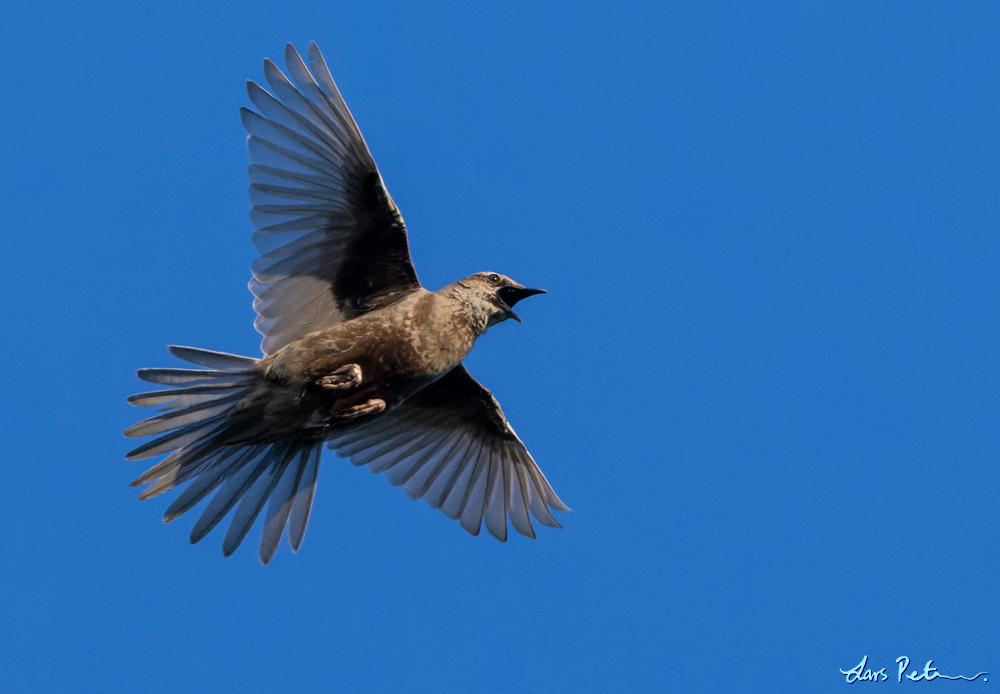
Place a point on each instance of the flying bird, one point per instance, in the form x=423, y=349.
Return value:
x=356, y=353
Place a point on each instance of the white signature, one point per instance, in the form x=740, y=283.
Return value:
x=862, y=673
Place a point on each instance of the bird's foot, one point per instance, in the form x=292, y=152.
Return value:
x=372, y=406
x=347, y=377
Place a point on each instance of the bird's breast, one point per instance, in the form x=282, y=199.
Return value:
x=400, y=349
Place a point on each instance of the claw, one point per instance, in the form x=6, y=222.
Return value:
x=346, y=377
x=373, y=406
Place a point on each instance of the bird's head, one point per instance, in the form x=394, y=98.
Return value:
x=491, y=297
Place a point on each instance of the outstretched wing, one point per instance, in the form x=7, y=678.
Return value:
x=451, y=445
x=332, y=243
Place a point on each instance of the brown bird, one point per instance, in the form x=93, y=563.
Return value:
x=357, y=354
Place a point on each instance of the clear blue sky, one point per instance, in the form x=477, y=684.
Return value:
x=765, y=376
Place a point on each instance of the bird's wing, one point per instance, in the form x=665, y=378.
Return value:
x=451, y=445
x=332, y=243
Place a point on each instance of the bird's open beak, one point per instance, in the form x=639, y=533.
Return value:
x=510, y=295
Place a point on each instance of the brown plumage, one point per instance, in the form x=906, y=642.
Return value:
x=357, y=354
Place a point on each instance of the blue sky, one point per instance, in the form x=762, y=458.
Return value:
x=765, y=375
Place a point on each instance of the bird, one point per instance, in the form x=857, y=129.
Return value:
x=356, y=353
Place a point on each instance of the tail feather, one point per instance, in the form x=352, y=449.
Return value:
x=162, y=397
x=170, y=377
x=304, y=494
x=203, y=412
x=178, y=438
x=196, y=422
x=279, y=507
x=232, y=489
x=178, y=468
x=253, y=500
x=183, y=457
x=222, y=361
x=203, y=484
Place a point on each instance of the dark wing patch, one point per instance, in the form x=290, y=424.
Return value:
x=451, y=445
x=333, y=244
x=469, y=401
x=379, y=267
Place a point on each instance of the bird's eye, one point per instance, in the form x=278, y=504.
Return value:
x=494, y=278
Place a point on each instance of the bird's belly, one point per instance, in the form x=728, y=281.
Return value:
x=395, y=361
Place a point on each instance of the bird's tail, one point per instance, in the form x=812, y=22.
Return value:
x=199, y=414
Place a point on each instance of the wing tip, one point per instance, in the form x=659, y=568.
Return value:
x=558, y=505
x=468, y=527
x=315, y=55
x=291, y=55
x=266, y=553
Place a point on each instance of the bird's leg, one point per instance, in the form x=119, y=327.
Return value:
x=371, y=406
x=349, y=404
x=345, y=378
